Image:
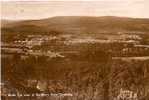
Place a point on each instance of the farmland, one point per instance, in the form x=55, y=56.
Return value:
x=69, y=56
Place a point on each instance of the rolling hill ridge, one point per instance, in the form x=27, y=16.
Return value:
x=77, y=24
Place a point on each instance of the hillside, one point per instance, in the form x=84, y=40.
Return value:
x=77, y=24
x=92, y=58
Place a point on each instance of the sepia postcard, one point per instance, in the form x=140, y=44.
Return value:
x=74, y=50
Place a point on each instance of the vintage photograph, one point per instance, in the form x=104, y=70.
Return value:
x=75, y=50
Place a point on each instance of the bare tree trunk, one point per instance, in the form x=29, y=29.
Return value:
x=106, y=90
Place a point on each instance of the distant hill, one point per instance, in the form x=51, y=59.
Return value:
x=77, y=24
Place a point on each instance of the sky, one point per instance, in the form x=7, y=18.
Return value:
x=25, y=9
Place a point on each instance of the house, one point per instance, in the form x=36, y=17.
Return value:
x=127, y=95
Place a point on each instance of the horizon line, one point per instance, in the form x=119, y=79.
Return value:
x=23, y=19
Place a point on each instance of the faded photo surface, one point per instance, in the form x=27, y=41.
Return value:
x=75, y=50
